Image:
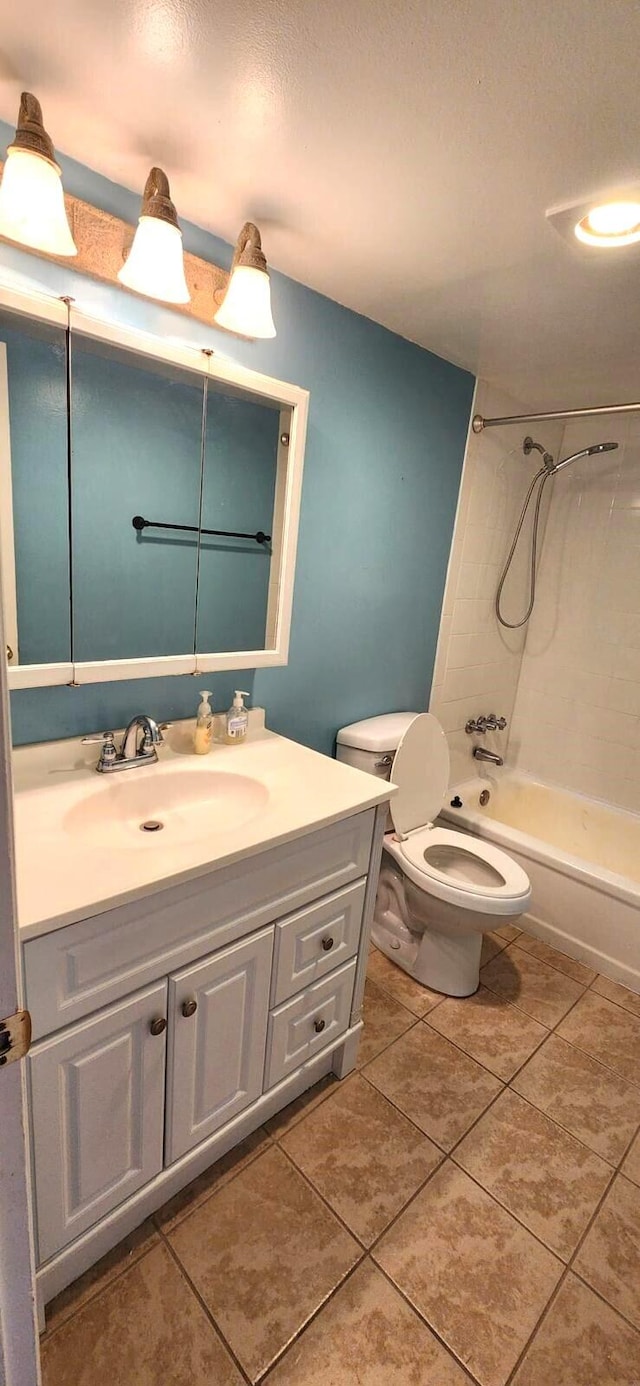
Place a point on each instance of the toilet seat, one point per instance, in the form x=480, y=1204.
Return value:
x=456, y=859
x=452, y=866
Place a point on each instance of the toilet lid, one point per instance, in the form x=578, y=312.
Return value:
x=421, y=772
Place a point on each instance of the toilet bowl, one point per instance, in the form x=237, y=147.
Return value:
x=439, y=890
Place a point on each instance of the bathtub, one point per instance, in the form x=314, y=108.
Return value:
x=583, y=861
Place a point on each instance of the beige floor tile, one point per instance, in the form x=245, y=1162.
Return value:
x=581, y=1343
x=264, y=1252
x=363, y=1156
x=508, y=932
x=296, y=1110
x=609, y=1258
x=548, y=1180
x=613, y=991
x=478, y=1277
x=399, y=984
x=536, y=946
x=536, y=988
x=434, y=1084
x=369, y=1335
x=146, y=1327
x=211, y=1179
x=491, y=946
x=631, y=1166
x=596, y=1105
x=384, y=1020
x=607, y=1032
x=108, y=1268
x=498, y=1035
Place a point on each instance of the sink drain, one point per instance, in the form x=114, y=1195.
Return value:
x=152, y=825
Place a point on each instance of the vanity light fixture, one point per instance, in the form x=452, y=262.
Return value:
x=610, y=224
x=32, y=210
x=155, y=263
x=246, y=306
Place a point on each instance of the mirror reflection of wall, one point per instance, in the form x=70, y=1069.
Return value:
x=136, y=436
x=239, y=483
x=34, y=515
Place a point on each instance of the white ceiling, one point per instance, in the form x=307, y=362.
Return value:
x=399, y=155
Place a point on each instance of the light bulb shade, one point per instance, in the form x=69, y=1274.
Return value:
x=32, y=209
x=155, y=264
x=246, y=306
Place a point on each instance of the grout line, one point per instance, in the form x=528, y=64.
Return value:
x=99, y=1289
x=414, y=1309
x=204, y=1306
x=307, y=1323
x=248, y=1159
x=318, y=1193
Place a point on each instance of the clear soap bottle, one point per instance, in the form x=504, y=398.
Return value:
x=204, y=725
x=237, y=720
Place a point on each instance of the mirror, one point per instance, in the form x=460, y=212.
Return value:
x=240, y=465
x=149, y=500
x=136, y=445
x=34, y=508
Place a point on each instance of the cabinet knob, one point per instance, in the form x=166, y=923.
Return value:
x=189, y=1007
x=318, y=1026
x=158, y=1025
x=327, y=944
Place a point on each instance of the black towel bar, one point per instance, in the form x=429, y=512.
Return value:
x=260, y=537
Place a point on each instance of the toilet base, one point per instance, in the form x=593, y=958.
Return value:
x=438, y=961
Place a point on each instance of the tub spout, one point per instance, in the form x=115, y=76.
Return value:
x=481, y=753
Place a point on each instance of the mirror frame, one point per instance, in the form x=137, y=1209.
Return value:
x=294, y=404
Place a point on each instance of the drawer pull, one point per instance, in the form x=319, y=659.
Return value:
x=189, y=1007
x=158, y=1026
x=318, y=1026
x=327, y=944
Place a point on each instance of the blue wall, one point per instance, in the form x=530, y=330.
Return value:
x=386, y=438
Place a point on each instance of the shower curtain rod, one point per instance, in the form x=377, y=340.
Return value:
x=479, y=422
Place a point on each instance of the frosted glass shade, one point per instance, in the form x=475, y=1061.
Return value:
x=32, y=209
x=155, y=263
x=246, y=307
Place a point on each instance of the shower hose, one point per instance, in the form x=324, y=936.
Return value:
x=542, y=476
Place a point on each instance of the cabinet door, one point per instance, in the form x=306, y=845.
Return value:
x=97, y=1103
x=218, y=1013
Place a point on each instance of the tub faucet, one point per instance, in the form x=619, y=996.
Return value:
x=481, y=753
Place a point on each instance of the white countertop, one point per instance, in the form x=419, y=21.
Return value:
x=63, y=876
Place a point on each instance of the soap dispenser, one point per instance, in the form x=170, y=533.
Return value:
x=204, y=725
x=237, y=721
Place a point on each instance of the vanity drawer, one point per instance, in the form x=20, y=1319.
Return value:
x=316, y=941
x=74, y=970
x=303, y=1026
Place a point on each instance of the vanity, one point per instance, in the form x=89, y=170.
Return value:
x=184, y=984
x=193, y=932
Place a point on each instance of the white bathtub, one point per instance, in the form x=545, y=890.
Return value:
x=583, y=861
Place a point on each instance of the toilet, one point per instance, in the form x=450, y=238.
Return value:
x=439, y=890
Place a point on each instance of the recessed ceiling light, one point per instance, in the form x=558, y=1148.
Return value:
x=610, y=224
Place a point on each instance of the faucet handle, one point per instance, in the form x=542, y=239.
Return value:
x=108, y=754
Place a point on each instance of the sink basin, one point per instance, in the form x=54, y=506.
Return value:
x=136, y=808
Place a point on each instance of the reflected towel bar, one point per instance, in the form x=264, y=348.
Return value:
x=259, y=537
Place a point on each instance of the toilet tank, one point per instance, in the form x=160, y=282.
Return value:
x=371, y=745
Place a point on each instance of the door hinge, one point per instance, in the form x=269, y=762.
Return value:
x=15, y=1037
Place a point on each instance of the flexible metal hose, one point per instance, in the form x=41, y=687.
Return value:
x=544, y=473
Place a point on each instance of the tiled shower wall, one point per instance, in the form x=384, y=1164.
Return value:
x=478, y=661
x=577, y=712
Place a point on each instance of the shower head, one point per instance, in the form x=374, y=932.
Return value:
x=584, y=452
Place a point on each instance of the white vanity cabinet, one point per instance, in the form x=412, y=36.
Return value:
x=218, y=1013
x=97, y=1115
x=168, y=1028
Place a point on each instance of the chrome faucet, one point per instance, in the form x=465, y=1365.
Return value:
x=132, y=752
x=480, y=725
x=481, y=753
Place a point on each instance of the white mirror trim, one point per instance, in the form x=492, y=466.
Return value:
x=295, y=402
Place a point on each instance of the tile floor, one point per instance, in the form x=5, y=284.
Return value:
x=465, y=1208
